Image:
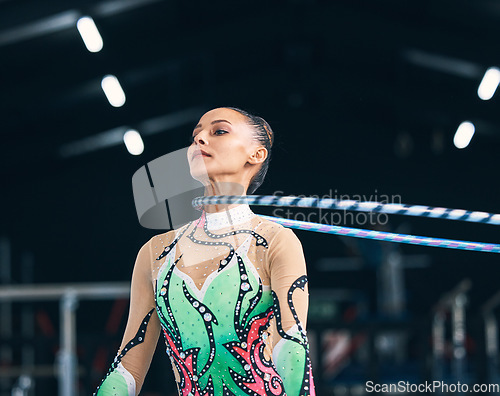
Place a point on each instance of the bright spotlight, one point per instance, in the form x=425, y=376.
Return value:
x=464, y=134
x=133, y=142
x=489, y=83
x=90, y=34
x=113, y=90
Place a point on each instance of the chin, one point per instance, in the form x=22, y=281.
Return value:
x=199, y=174
x=199, y=171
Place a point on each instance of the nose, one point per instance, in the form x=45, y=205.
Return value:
x=198, y=139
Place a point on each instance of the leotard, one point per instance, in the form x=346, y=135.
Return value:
x=229, y=293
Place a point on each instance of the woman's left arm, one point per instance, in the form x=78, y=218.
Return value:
x=289, y=287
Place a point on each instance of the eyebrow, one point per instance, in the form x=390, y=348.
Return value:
x=212, y=123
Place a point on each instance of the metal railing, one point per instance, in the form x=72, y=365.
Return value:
x=68, y=296
x=454, y=302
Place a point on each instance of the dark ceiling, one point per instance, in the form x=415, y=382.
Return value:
x=364, y=98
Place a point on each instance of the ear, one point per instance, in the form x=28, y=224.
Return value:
x=258, y=156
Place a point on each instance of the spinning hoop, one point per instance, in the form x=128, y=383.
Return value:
x=401, y=209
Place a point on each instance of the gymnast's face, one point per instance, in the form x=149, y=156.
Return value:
x=223, y=148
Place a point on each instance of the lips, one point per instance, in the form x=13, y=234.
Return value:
x=200, y=152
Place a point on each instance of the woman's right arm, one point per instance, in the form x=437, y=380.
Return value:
x=128, y=370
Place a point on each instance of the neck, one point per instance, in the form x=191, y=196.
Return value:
x=222, y=188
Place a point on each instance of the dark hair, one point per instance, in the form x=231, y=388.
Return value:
x=263, y=134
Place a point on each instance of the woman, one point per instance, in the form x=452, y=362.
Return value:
x=223, y=288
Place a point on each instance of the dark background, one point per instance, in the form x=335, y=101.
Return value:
x=364, y=99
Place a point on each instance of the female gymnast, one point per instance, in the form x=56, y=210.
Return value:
x=228, y=290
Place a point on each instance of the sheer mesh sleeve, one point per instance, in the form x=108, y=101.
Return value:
x=128, y=370
x=288, y=275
